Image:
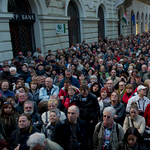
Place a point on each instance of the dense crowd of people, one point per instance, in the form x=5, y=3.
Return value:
x=90, y=96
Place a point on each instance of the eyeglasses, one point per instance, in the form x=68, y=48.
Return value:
x=20, y=79
x=7, y=103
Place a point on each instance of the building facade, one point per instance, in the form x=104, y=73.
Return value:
x=55, y=24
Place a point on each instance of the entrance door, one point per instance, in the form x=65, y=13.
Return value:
x=22, y=33
x=74, y=23
x=101, y=23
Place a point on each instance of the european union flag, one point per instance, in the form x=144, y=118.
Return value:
x=133, y=19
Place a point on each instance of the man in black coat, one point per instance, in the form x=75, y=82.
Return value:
x=6, y=73
x=71, y=134
x=25, y=73
x=20, y=136
x=89, y=109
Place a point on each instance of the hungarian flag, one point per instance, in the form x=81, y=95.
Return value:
x=124, y=18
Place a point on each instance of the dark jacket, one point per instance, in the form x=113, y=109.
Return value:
x=36, y=117
x=122, y=146
x=25, y=75
x=120, y=112
x=39, y=73
x=2, y=131
x=9, y=122
x=61, y=134
x=21, y=137
x=7, y=93
x=74, y=82
x=35, y=96
x=135, y=85
x=89, y=110
x=6, y=75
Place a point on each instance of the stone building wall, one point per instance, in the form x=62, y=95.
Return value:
x=55, y=12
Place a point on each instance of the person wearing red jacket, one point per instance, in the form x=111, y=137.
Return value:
x=147, y=115
x=70, y=99
x=64, y=90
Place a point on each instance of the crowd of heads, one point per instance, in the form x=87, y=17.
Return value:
x=113, y=70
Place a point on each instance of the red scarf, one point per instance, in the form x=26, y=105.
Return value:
x=125, y=97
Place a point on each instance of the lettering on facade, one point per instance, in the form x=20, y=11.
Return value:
x=23, y=18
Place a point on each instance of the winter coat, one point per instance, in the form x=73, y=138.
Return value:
x=21, y=137
x=63, y=92
x=25, y=75
x=36, y=117
x=138, y=122
x=115, y=137
x=47, y=129
x=74, y=82
x=147, y=115
x=61, y=134
x=9, y=122
x=7, y=93
x=50, y=145
x=89, y=109
x=67, y=102
x=120, y=112
x=35, y=96
x=122, y=146
x=39, y=73
x=43, y=92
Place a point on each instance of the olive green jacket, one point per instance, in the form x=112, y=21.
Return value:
x=98, y=136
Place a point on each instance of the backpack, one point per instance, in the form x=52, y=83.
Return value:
x=99, y=127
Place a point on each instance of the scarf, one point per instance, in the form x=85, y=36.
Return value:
x=125, y=97
x=129, y=147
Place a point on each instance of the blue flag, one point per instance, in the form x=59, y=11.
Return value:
x=133, y=19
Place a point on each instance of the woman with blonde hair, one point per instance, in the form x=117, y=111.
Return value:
x=52, y=104
x=134, y=120
x=128, y=94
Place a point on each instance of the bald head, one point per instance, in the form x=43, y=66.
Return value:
x=73, y=114
x=74, y=107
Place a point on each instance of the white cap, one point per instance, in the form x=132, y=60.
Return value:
x=141, y=87
x=121, y=60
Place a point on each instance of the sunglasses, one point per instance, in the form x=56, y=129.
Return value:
x=7, y=103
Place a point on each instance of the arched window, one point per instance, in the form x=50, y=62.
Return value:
x=21, y=26
x=74, y=23
x=101, y=23
x=142, y=24
x=137, y=23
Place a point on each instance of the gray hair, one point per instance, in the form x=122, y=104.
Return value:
x=36, y=138
x=68, y=70
x=29, y=102
x=76, y=59
x=110, y=110
x=12, y=68
x=57, y=112
x=49, y=78
x=93, y=77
